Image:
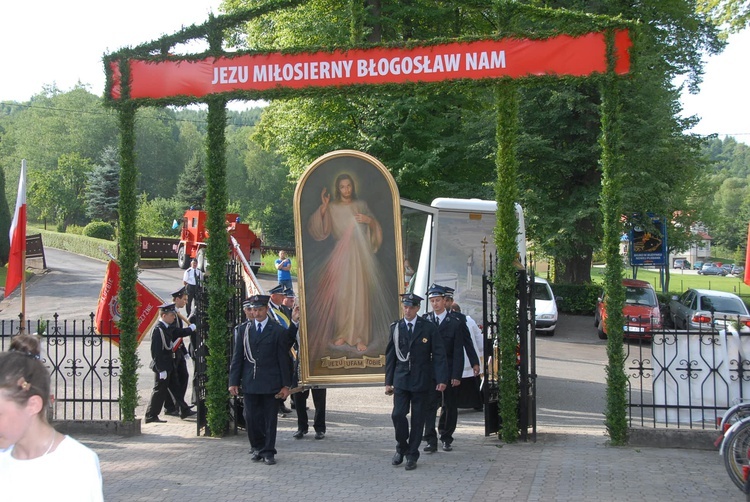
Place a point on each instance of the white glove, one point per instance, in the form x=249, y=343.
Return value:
x=162, y=375
x=193, y=327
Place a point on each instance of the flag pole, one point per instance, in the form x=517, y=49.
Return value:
x=23, y=292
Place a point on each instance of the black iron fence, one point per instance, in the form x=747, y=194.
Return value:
x=687, y=378
x=84, y=367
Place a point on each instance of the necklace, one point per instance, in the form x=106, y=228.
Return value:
x=51, y=443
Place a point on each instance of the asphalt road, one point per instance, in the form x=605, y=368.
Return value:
x=570, y=365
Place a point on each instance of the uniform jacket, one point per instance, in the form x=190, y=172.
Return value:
x=161, y=347
x=426, y=364
x=453, y=333
x=471, y=352
x=272, y=369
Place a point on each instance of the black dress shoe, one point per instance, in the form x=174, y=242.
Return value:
x=397, y=459
x=256, y=457
x=284, y=409
x=187, y=413
x=299, y=434
x=411, y=465
x=446, y=446
x=320, y=435
x=430, y=448
x=270, y=460
x=157, y=420
x=173, y=413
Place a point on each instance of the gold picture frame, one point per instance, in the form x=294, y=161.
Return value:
x=347, y=220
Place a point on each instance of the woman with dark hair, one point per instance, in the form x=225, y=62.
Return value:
x=349, y=296
x=36, y=461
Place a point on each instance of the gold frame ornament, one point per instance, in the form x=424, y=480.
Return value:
x=347, y=220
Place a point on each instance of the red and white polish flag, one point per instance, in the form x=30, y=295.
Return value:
x=16, y=259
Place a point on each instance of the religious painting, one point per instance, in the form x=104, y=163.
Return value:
x=346, y=216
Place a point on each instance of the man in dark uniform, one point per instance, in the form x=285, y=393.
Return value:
x=180, y=373
x=162, y=342
x=260, y=362
x=455, y=336
x=282, y=315
x=414, y=362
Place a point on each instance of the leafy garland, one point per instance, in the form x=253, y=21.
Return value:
x=506, y=230
x=517, y=21
x=611, y=206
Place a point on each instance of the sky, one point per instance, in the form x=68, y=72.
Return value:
x=45, y=42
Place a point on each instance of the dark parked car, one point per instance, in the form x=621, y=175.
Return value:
x=682, y=264
x=712, y=270
x=737, y=270
x=698, y=265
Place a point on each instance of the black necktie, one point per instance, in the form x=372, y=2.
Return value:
x=260, y=327
x=409, y=327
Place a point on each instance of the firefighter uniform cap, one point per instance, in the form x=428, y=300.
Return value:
x=278, y=290
x=289, y=293
x=165, y=308
x=449, y=292
x=435, y=290
x=256, y=301
x=179, y=293
x=411, y=300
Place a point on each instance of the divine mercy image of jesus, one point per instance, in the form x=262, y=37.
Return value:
x=350, y=268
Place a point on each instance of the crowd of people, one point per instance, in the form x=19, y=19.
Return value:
x=424, y=370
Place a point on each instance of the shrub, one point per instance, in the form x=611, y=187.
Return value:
x=74, y=229
x=99, y=230
x=577, y=298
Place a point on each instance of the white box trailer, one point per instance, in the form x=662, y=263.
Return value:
x=449, y=241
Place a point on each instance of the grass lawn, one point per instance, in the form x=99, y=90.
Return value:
x=679, y=281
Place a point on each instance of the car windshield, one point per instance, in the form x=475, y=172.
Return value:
x=640, y=296
x=541, y=292
x=727, y=305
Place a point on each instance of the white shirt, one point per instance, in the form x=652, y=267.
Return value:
x=70, y=473
x=191, y=275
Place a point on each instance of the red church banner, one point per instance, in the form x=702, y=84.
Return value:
x=108, y=308
x=563, y=55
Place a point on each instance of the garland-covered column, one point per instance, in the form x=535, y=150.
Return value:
x=218, y=290
x=128, y=258
x=506, y=229
x=611, y=206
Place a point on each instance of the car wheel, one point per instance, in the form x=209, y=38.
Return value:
x=602, y=334
x=551, y=333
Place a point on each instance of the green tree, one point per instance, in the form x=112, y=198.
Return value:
x=734, y=15
x=191, y=187
x=155, y=216
x=60, y=194
x=103, y=188
x=5, y=221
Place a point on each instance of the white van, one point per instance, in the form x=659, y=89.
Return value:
x=454, y=246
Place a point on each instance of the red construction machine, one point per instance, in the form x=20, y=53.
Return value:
x=194, y=235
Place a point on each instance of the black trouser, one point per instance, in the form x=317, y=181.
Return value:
x=178, y=380
x=407, y=441
x=261, y=420
x=319, y=401
x=192, y=292
x=163, y=388
x=446, y=401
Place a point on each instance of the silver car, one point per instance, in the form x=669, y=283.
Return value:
x=707, y=309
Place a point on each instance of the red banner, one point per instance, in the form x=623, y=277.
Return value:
x=563, y=55
x=108, y=308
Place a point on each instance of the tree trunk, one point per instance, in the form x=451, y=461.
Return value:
x=574, y=270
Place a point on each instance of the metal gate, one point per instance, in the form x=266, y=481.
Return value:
x=526, y=357
x=233, y=317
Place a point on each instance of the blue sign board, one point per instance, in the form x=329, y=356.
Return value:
x=648, y=246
